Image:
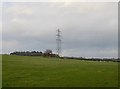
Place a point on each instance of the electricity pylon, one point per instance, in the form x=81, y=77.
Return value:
x=58, y=42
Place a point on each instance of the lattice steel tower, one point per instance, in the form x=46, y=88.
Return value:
x=58, y=42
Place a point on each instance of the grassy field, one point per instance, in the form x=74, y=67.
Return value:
x=24, y=71
x=0, y=71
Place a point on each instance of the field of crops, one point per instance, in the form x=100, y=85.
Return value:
x=24, y=71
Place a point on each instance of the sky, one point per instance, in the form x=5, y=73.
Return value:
x=88, y=29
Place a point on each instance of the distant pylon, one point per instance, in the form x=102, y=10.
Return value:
x=58, y=42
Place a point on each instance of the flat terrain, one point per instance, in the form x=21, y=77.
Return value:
x=0, y=71
x=24, y=71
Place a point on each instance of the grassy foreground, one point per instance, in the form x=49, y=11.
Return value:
x=24, y=71
x=0, y=71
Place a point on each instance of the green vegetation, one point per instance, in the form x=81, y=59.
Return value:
x=29, y=71
x=0, y=71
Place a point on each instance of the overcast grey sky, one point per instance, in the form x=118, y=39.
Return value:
x=89, y=29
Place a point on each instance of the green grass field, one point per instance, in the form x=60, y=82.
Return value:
x=0, y=71
x=24, y=71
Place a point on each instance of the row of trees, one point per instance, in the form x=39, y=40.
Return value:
x=47, y=53
x=93, y=59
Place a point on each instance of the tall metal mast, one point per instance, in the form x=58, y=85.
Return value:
x=58, y=42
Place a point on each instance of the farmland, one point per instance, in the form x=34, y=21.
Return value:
x=30, y=71
x=0, y=71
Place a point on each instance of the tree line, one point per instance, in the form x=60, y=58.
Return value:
x=93, y=59
x=47, y=53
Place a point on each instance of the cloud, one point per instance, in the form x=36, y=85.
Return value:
x=87, y=52
x=61, y=1
x=17, y=9
x=88, y=29
x=0, y=27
